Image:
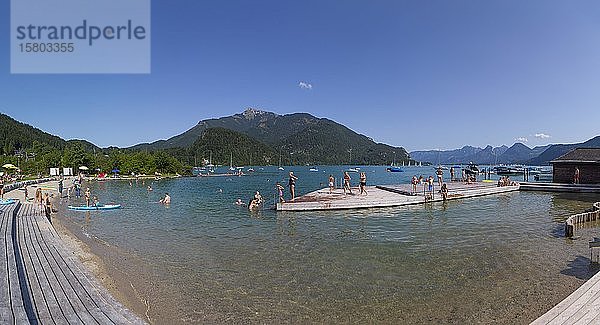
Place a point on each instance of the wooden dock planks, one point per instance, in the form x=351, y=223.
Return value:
x=581, y=307
x=385, y=196
x=41, y=283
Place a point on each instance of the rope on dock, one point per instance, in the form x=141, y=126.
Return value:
x=581, y=218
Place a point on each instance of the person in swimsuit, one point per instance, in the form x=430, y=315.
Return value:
x=292, y=184
x=444, y=191
x=87, y=195
x=347, y=183
x=440, y=176
x=280, y=192
x=576, y=176
x=331, y=183
x=363, y=183
x=414, y=183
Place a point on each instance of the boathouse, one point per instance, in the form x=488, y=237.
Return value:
x=587, y=160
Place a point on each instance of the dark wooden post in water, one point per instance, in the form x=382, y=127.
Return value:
x=569, y=229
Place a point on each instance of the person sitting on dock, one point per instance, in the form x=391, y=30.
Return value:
x=444, y=191
x=331, y=183
x=292, y=184
x=280, y=192
x=347, y=179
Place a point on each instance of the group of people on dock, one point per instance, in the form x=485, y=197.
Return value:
x=429, y=183
x=506, y=181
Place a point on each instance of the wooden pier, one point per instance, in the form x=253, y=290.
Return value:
x=42, y=282
x=580, y=307
x=388, y=196
x=560, y=187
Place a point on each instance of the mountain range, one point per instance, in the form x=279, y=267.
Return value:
x=518, y=153
x=256, y=137
x=298, y=138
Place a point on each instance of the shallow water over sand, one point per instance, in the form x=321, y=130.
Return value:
x=491, y=259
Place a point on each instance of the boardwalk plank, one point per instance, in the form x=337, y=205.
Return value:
x=54, y=282
x=52, y=301
x=38, y=296
x=19, y=313
x=63, y=282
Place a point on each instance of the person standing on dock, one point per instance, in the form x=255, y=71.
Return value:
x=363, y=183
x=440, y=176
x=347, y=183
x=576, y=176
x=414, y=183
x=280, y=192
x=452, y=174
x=331, y=183
x=292, y=184
x=60, y=188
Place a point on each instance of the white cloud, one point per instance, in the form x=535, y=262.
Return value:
x=521, y=139
x=542, y=136
x=305, y=85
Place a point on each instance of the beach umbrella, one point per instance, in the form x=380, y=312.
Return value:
x=115, y=171
x=83, y=168
x=9, y=166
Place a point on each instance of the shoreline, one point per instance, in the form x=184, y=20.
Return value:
x=102, y=261
x=118, y=286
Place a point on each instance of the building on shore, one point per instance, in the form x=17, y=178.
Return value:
x=585, y=160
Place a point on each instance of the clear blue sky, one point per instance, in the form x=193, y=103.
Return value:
x=417, y=74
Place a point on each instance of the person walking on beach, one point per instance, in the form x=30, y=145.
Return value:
x=576, y=176
x=87, y=196
x=331, y=183
x=347, y=179
x=280, y=189
x=292, y=185
x=440, y=175
x=363, y=183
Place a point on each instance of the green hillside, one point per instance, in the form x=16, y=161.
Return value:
x=301, y=138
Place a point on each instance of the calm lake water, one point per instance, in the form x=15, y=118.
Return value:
x=499, y=258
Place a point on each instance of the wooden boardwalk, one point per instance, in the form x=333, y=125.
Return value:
x=387, y=196
x=581, y=307
x=560, y=187
x=42, y=282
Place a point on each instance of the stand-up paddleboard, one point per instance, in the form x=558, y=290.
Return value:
x=7, y=201
x=95, y=207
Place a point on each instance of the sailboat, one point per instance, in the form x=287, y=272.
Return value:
x=280, y=168
x=393, y=168
x=231, y=163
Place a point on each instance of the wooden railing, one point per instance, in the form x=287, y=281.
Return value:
x=581, y=218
